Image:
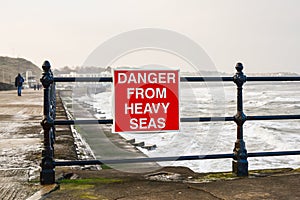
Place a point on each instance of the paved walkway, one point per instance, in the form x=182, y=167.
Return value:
x=20, y=142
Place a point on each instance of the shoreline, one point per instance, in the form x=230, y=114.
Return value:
x=100, y=142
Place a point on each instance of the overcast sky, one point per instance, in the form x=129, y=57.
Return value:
x=263, y=34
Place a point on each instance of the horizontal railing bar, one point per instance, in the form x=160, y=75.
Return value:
x=205, y=79
x=273, y=117
x=268, y=117
x=109, y=79
x=276, y=153
x=188, y=119
x=205, y=119
x=275, y=78
x=143, y=160
x=182, y=79
x=82, y=79
x=110, y=121
x=87, y=121
x=172, y=158
x=78, y=162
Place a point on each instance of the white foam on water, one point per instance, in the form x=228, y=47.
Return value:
x=219, y=137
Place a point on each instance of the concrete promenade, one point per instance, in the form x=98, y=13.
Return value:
x=20, y=148
x=20, y=142
x=179, y=183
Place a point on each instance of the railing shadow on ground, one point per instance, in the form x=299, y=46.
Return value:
x=239, y=155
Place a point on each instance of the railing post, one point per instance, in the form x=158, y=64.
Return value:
x=52, y=109
x=47, y=175
x=240, y=163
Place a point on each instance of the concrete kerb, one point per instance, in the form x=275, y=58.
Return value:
x=44, y=191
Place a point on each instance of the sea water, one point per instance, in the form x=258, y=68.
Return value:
x=203, y=138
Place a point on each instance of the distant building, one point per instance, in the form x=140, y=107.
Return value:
x=92, y=87
x=30, y=79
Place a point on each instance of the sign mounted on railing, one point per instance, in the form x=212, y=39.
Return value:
x=146, y=100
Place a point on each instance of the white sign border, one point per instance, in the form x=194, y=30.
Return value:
x=145, y=69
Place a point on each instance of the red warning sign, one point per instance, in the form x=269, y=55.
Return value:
x=146, y=100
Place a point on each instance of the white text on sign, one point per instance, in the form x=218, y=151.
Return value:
x=146, y=100
x=162, y=77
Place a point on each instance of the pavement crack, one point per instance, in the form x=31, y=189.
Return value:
x=147, y=193
x=206, y=191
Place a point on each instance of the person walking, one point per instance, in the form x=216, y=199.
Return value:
x=19, y=83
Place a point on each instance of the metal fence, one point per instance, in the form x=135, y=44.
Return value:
x=239, y=155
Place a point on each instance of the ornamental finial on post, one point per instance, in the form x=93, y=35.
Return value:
x=46, y=65
x=47, y=77
x=239, y=78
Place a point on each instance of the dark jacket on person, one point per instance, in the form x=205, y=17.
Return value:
x=19, y=81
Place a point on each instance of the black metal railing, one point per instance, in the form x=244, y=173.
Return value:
x=239, y=155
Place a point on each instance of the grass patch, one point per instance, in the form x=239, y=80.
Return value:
x=88, y=195
x=104, y=166
x=84, y=188
x=75, y=186
x=219, y=176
